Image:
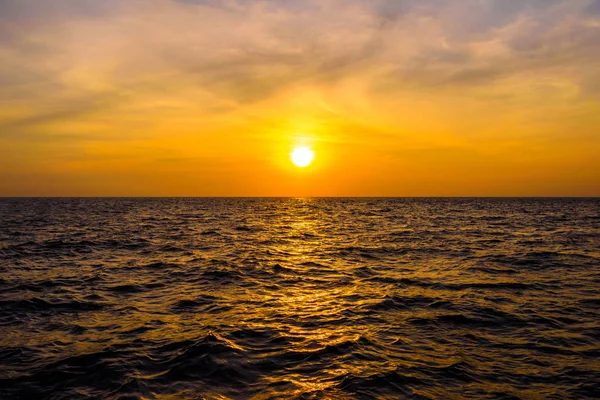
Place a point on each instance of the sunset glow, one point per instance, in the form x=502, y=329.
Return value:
x=293, y=199
x=199, y=98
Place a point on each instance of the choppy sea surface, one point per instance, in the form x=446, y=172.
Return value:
x=300, y=298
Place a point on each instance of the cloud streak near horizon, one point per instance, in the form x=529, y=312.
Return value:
x=192, y=97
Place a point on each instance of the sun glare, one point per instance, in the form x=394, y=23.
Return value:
x=302, y=156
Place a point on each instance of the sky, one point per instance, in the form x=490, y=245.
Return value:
x=209, y=97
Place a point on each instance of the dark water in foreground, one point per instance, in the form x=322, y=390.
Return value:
x=300, y=298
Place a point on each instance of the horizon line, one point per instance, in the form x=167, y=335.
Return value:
x=300, y=197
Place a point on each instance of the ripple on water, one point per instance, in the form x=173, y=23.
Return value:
x=299, y=298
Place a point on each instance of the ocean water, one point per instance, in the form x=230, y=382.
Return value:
x=300, y=298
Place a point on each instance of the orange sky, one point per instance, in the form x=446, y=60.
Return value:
x=208, y=98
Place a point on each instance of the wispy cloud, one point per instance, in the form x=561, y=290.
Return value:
x=160, y=69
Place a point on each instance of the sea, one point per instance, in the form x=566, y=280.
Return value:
x=299, y=298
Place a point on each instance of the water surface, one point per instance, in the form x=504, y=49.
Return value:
x=300, y=298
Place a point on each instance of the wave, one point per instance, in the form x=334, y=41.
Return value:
x=390, y=383
x=38, y=304
x=299, y=298
x=399, y=303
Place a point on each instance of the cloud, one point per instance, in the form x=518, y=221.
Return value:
x=247, y=51
x=161, y=69
x=23, y=11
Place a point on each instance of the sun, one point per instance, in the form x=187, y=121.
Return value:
x=302, y=156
